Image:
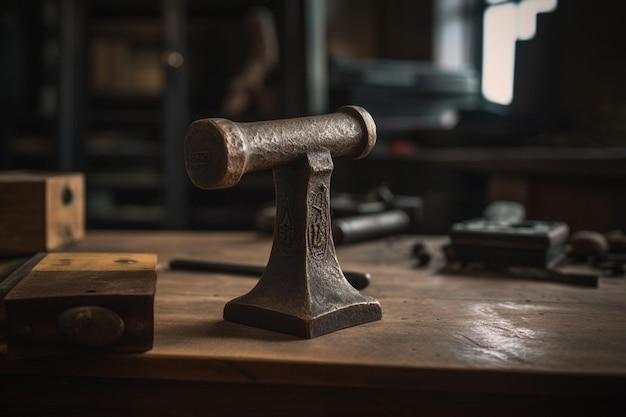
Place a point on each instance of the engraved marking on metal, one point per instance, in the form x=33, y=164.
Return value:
x=286, y=232
x=200, y=158
x=319, y=225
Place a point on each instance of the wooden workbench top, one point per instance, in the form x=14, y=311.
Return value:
x=439, y=332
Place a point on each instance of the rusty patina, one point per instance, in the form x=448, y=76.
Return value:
x=303, y=291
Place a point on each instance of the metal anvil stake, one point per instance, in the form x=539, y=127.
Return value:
x=302, y=291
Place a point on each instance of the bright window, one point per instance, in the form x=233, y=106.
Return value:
x=504, y=23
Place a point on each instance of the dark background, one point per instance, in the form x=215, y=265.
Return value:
x=85, y=86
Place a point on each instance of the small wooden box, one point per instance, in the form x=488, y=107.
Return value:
x=83, y=301
x=40, y=211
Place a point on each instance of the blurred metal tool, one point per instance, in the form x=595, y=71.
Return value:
x=358, y=280
x=552, y=275
x=369, y=226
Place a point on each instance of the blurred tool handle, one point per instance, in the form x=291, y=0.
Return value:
x=358, y=280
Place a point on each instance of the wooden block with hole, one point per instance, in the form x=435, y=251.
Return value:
x=40, y=211
x=83, y=301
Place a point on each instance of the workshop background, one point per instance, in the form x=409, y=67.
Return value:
x=475, y=101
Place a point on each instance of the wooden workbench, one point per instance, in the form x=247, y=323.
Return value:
x=447, y=345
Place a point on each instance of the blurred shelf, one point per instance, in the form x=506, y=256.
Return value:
x=89, y=88
x=120, y=180
x=587, y=162
x=126, y=215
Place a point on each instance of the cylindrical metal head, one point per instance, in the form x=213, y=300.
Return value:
x=215, y=153
x=218, y=151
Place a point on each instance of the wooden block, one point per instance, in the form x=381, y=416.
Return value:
x=83, y=301
x=40, y=211
x=12, y=270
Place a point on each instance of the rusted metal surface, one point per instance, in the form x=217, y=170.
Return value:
x=218, y=151
x=303, y=290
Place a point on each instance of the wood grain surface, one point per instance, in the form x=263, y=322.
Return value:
x=440, y=333
x=40, y=211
